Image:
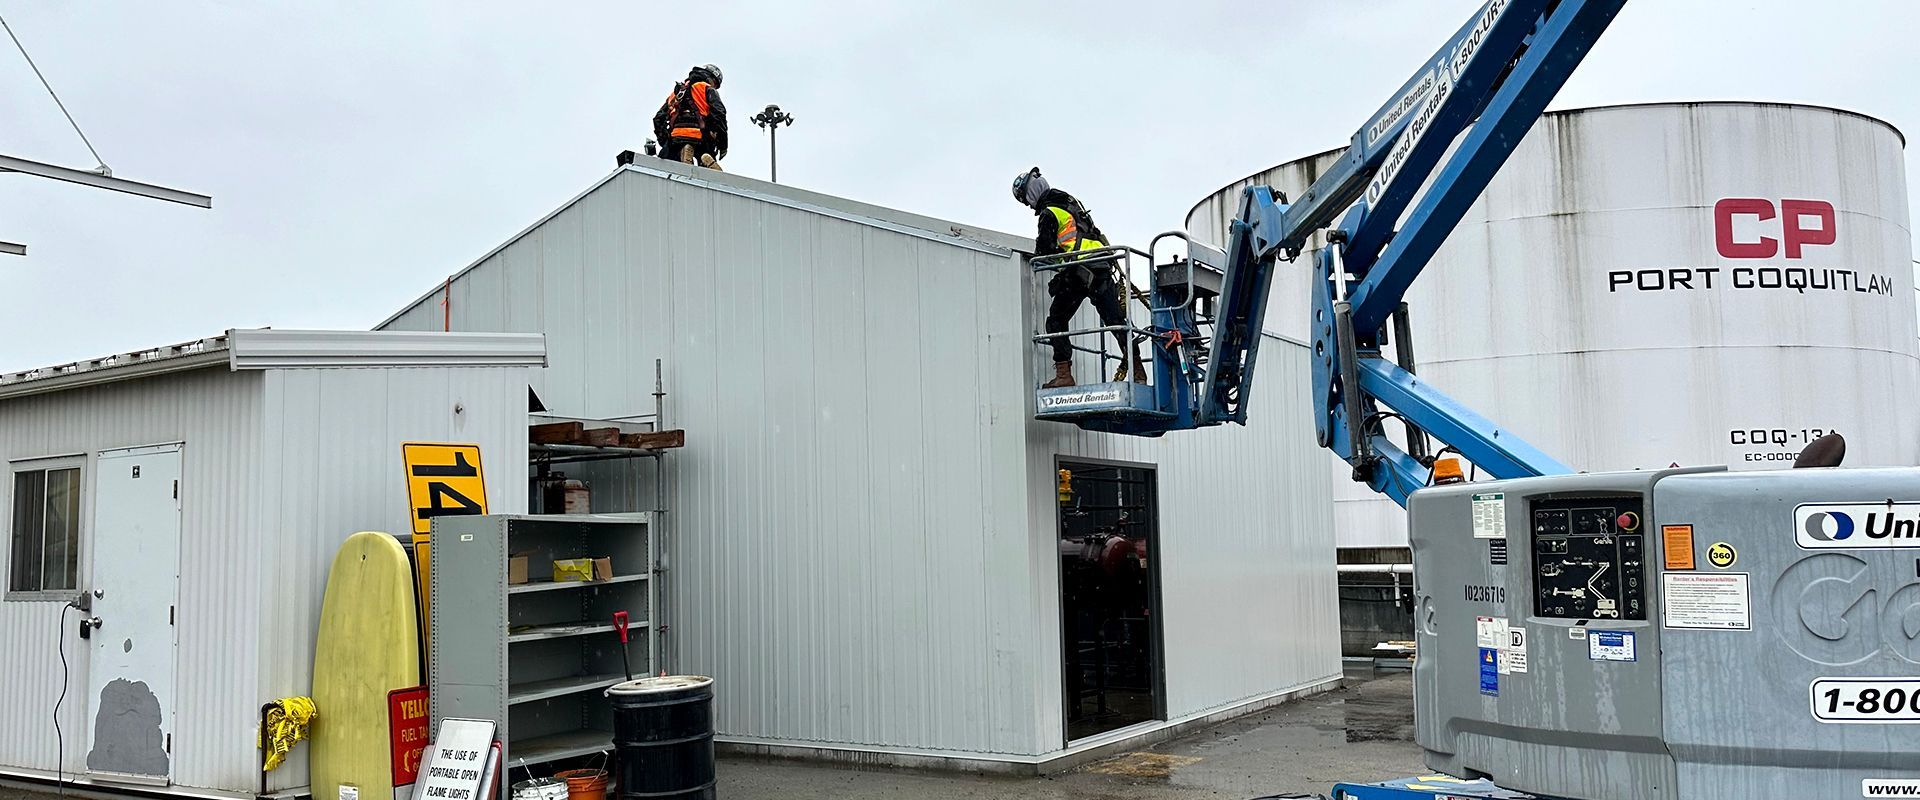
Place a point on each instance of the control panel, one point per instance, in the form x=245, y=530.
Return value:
x=1589, y=557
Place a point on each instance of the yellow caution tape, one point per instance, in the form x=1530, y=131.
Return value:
x=287, y=724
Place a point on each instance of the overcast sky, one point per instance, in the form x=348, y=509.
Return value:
x=360, y=152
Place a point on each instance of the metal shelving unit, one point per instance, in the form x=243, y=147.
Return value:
x=535, y=657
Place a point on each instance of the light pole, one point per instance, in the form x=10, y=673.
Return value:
x=770, y=119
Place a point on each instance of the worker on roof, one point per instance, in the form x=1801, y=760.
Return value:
x=1066, y=227
x=691, y=125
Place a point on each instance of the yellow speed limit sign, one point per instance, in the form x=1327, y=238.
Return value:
x=443, y=480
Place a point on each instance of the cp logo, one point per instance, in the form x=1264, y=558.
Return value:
x=1793, y=215
x=1829, y=526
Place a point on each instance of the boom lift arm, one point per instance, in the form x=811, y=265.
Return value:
x=1483, y=88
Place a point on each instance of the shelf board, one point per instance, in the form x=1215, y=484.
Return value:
x=566, y=629
x=548, y=586
x=558, y=746
x=541, y=690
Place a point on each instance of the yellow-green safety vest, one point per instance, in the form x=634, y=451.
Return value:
x=1068, y=236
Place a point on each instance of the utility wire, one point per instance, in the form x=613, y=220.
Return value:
x=59, y=737
x=104, y=170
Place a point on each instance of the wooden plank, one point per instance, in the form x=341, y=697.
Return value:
x=601, y=437
x=657, y=440
x=555, y=433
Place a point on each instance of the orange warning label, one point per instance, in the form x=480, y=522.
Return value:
x=1677, y=541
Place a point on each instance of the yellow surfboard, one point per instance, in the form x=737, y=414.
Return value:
x=368, y=645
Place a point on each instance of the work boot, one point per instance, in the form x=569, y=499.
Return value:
x=1139, y=371
x=707, y=160
x=1062, y=376
x=687, y=156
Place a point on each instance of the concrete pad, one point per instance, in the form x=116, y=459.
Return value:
x=1299, y=747
x=1302, y=746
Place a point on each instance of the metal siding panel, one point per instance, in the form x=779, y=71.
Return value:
x=217, y=414
x=290, y=596
x=414, y=319
x=890, y=376
x=555, y=250
x=601, y=249
x=954, y=485
x=1022, y=609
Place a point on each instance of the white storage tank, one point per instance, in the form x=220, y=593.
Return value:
x=1645, y=285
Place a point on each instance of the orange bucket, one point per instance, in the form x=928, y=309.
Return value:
x=585, y=784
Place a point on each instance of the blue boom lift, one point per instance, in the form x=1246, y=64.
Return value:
x=1448, y=129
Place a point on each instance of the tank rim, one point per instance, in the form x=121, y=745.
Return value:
x=1215, y=194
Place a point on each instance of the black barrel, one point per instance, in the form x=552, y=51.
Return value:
x=663, y=737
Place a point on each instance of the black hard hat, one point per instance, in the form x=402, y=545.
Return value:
x=712, y=72
x=1020, y=182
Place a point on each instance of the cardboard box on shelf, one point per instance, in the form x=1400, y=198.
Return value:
x=517, y=568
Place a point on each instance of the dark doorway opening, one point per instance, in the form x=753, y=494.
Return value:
x=1109, y=597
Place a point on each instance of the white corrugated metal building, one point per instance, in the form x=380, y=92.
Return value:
x=862, y=541
x=275, y=443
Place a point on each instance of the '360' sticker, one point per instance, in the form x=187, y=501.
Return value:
x=1722, y=555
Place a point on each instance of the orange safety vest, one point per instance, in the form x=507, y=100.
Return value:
x=689, y=118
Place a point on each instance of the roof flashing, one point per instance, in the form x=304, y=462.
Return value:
x=265, y=348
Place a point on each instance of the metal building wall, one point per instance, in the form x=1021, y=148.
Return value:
x=278, y=467
x=861, y=541
x=1246, y=540
x=217, y=414
x=330, y=465
x=848, y=551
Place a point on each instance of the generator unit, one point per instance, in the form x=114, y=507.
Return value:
x=1684, y=634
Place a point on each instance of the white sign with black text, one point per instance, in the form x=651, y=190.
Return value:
x=1706, y=601
x=459, y=761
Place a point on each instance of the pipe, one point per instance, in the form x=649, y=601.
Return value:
x=1396, y=570
x=659, y=597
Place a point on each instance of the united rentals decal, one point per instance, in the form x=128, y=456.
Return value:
x=1087, y=397
x=1856, y=526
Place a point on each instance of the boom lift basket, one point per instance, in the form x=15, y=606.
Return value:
x=1178, y=303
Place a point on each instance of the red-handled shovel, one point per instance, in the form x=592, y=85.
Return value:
x=620, y=625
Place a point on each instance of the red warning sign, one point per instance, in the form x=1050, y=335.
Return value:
x=407, y=722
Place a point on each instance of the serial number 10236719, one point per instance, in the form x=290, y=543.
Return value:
x=1867, y=700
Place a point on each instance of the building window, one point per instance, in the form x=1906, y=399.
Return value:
x=46, y=528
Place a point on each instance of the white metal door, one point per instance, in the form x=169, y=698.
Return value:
x=136, y=557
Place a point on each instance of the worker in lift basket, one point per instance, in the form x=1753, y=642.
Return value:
x=1065, y=227
x=691, y=125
